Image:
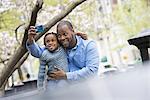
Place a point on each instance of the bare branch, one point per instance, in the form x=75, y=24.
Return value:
x=8, y=74
x=60, y=16
x=35, y=11
x=3, y=60
x=16, y=30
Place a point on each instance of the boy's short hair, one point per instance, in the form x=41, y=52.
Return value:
x=50, y=34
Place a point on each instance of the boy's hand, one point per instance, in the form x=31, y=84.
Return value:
x=31, y=34
x=83, y=35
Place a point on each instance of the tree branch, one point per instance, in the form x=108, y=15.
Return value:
x=20, y=62
x=16, y=30
x=3, y=60
x=15, y=61
x=35, y=11
x=60, y=16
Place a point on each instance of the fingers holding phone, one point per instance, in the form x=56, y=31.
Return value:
x=31, y=34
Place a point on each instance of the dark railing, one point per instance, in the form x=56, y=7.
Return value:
x=17, y=89
x=142, y=42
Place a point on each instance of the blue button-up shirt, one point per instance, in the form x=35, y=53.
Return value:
x=83, y=59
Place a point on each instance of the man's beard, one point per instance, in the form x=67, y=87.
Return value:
x=65, y=44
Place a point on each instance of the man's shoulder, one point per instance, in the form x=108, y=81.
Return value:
x=87, y=42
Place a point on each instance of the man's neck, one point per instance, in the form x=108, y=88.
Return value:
x=73, y=42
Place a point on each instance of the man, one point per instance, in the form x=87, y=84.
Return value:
x=82, y=55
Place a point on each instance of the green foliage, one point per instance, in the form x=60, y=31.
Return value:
x=104, y=59
x=55, y=2
x=51, y=2
x=14, y=0
x=9, y=20
x=133, y=16
x=82, y=18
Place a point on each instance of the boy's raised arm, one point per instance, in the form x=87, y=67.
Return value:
x=32, y=47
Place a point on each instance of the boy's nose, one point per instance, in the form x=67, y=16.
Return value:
x=49, y=43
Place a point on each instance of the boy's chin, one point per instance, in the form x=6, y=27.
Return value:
x=51, y=49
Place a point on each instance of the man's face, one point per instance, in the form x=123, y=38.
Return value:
x=65, y=36
x=51, y=42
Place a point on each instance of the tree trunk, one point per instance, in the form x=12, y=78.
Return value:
x=19, y=56
x=20, y=74
x=2, y=91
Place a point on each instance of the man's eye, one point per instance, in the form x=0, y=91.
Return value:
x=65, y=34
x=59, y=36
x=47, y=41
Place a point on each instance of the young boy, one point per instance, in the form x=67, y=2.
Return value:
x=55, y=58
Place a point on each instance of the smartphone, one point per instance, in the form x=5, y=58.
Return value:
x=39, y=28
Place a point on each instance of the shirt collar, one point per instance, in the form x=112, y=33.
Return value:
x=78, y=42
x=58, y=49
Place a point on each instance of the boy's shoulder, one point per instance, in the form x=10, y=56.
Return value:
x=45, y=51
x=45, y=54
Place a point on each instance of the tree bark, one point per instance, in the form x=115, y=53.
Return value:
x=19, y=56
x=2, y=90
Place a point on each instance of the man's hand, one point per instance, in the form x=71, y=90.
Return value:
x=83, y=35
x=57, y=75
x=31, y=34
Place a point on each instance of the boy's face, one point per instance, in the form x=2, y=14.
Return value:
x=51, y=42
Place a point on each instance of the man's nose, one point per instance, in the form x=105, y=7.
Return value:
x=62, y=37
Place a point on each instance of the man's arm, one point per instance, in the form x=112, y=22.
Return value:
x=82, y=35
x=92, y=64
x=91, y=68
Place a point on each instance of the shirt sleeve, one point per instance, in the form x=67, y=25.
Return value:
x=92, y=64
x=41, y=75
x=34, y=49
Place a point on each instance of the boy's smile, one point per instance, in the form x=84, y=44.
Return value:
x=51, y=42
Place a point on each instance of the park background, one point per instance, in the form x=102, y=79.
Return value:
x=111, y=23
